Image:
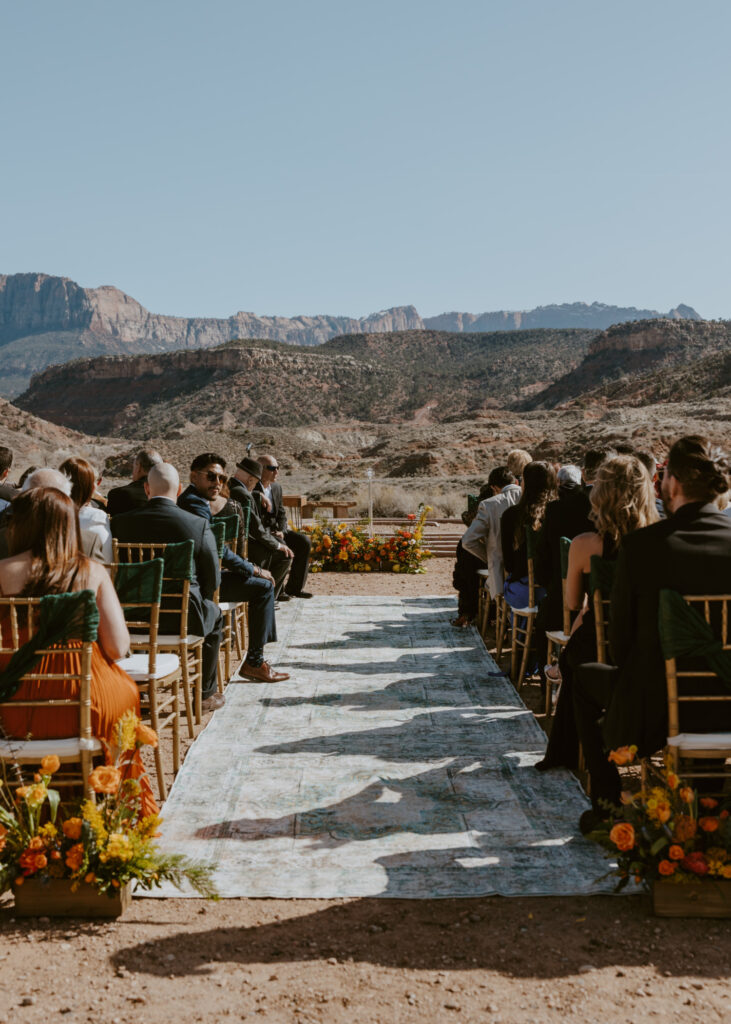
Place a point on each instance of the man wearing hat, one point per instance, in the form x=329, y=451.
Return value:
x=264, y=548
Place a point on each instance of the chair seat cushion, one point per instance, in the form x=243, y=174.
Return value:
x=36, y=750
x=483, y=572
x=137, y=665
x=166, y=640
x=523, y=611
x=692, y=741
x=230, y=606
x=558, y=636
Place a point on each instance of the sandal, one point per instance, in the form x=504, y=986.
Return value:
x=462, y=621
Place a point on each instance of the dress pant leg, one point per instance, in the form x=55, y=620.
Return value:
x=466, y=581
x=211, y=647
x=593, y=685
x=259, y=595
x=300, y=544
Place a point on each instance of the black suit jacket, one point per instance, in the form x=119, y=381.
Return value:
x=161, y=521
x=127, y=498
x=690, y=552
x=261, y=542
x=277, y=518
x=567, y=516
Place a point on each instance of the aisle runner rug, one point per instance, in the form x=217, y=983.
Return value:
x=397, y=761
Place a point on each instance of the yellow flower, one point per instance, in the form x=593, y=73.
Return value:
x=93, y=815
x=126, y=729
x=726, y=871
x=118, y=847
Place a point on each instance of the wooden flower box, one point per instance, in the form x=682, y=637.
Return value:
x=54, y=898
x=709, y=898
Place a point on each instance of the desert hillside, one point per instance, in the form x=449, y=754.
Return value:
x=46, y=320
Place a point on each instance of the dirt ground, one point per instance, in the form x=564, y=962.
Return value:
x=368, y=960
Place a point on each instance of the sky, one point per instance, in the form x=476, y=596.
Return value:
x=340, y=157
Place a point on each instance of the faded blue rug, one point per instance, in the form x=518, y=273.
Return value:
x=397, y=761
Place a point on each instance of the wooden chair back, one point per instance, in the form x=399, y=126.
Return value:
x=601, y=578
x=68, y=661
x=705, y=682
x=177, y=575
x=294, y=504
x=139, y=589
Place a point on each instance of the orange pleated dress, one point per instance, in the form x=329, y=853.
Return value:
x=112, y=693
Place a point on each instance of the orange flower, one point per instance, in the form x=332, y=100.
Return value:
x=37, y=795
x=687, y=794
x=50, y=764
x=666, y=867
x=623, y=836
x=726, y=871
x=146, y=735
x=685, y=828
x=708, y=824
x=662, y=811
x=676, y=852
x=36, y=843
x=105, y=779
x=673, y=780
x=623, y=755
x=708, y=802
x=22, y=792
x=90, y=878
x=31, y=860
x=72, y=828
x=327, y=542
x=55, y=855
x=75, y=857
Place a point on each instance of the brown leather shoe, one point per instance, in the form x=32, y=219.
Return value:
x=213, y=703
x=263, y=673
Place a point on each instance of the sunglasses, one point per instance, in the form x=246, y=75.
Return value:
x=215, y=477
x=272, y=469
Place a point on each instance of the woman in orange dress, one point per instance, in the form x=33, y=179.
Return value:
x=46, y=558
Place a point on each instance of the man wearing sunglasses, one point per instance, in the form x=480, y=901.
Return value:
x=264, y=548
x=240, y=580
x=274, y=516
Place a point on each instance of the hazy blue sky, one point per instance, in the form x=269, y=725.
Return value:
x=334, y=156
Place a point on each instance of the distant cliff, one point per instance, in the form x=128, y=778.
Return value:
x=569, y=314
x=46, y=320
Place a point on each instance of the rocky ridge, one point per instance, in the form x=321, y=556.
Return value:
x=46, y=320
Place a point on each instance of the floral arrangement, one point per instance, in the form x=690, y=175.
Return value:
x=339, y=547
x=667, y=831
x=104, y=842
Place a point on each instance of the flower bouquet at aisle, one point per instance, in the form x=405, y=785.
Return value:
x=673, y=840
x=340, y=547
x=83, y=860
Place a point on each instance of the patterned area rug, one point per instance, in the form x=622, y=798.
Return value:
x=397, y=761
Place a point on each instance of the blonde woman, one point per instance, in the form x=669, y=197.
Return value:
x=622, y=500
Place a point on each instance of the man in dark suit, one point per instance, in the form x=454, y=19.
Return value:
x=689, y=552
x=274, y=517
x=133, y=495
x=7, y=491
x=161, y=521
x=264, y=548
x=241, y=580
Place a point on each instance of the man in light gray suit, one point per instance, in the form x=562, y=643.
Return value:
x=482, y=538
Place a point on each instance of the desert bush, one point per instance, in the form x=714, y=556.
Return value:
x=389, y=502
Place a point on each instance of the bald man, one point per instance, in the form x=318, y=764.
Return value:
x=160, y=521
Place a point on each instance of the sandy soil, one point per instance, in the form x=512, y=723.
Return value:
x=492, y=959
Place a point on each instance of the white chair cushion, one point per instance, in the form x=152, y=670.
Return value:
x=230, y=606
x=138, y=665
x=523, y=611
x=166, y=639
x=701, y=741
x=36, y=750
x=483, y=572
x=558, y=636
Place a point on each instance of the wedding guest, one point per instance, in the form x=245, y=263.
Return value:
x=133, y=495
x=481, y=543
x=265, y=549
x=538, y=488
x=516, y=462
x=622, y=501
x=7, y=491
x=45, y=558
x=83, y=478
x=241, y=580
x=689, y=552
x=160, y=521
x=275, y=519
x=593, y=458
